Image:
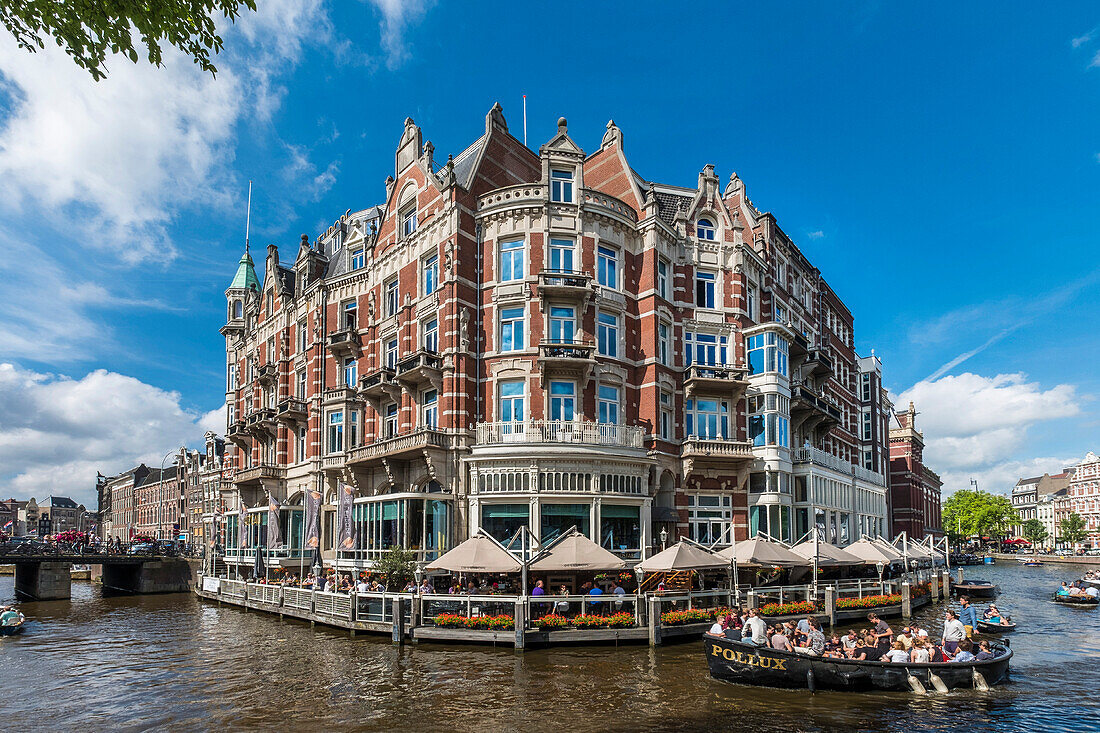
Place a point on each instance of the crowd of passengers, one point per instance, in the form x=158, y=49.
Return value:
x=876, y=642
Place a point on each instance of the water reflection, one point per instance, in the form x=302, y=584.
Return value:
x=144, y=662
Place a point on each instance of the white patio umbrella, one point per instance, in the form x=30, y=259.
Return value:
x=682, y=556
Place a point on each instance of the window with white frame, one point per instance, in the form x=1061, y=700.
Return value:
x=666, y=415
x=767, y=353
x=563, y=397
x=511, y=260
x=563, y=324
x=391, y=299
x=431, y=336
x=303, y=337
x=664, y=344
x=561, y=186
x=511, y=329
x=408, y=219
x=353, y=429
x=430, y=274
x=430, y=409
x=389, y=420
x=662, y=278
x=865, y=425
x=710, y=518
x=335, y=432
x=865, y=387
x=750, y=302
x=358, y=258
x=349, y=315
x=561, y=255
x=302, y=384
x=704, y=229
x=350, y=372
x=231, y=377
x=769, y=422
x=607, y=267
x=300, y=452
x=391, y=354
x=705, y=349
x=607, y=335
x=707, y=419
x=704, y=289
x=510, y=397
x=608, y=405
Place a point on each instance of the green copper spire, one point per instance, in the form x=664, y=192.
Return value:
x=246, y=274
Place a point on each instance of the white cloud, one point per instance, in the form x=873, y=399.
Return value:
x=397, y=16
x=816, y=234
x=1000, y=478
x=976, y=426
x=1095, y=60
x=120, y=158
x=57, y=431
x=1082, y=40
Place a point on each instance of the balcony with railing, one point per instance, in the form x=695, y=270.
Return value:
x=710, y=378
x=267, y=374
x=509, y=197
x=818, y=363
x=262, y=420
x=255, y=474
x=818, y=457
x=423, y=367
x=380, y=383
x=566, y=352
x=565, y=283
x=557, y=432
x=406, y=445
x=292, y=409
x=340, y=395
x=343, y=341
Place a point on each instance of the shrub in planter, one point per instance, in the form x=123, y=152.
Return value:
x=551, y=622
x=689, y=616
x=589, y=621
x=450, y=620
x=868, y=602
x=787, y=609
x=621, y=620
x=493, y=623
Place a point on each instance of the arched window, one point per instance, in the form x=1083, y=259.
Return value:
x=406, y=212
x=705, y=229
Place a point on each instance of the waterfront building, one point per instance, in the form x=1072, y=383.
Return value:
x=1033, y=498
x=207, y=504
x=1083, y=494
x=54, y=514
x=915, y=504
x=548, y=339
x=13, y=511
x=158, y=503
x=117, y=516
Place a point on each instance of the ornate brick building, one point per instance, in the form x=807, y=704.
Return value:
x=1084, y=497
x=914, y=488
x=546, y=338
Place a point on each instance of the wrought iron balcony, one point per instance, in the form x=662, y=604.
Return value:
x=723, y=378
x=559, y=431
x=343, y=341
x=551, y=351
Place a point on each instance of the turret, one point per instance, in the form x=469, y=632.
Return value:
x=237, y=294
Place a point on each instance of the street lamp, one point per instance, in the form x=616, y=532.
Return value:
x=418, y=573
x=640, y=575
x=881, y=566
x=664, y=537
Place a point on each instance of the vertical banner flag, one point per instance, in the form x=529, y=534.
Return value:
x=346, y=535
x=274, y=533
x=242, y=528
x=313, y=519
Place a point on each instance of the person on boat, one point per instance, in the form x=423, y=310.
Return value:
x=780, y=640
x=897, y=653
x=9, y=616
x=984, y=652
x=968, y=616
x=869, y=650
x=906, y=638
x=1092, y=592
x=953, y=633
x=884, y=635
x=815, y=640
x=849, y=641
x=993, y=616
x=718, y=628
x=755, y=630
x=1064, y=589
x=919, y=653
x=965, y=653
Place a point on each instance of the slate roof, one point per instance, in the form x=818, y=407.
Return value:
x=465, y=161
x=62, y=502
x=668, y=204
x=337, y=259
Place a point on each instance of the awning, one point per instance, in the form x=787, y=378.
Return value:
x=577, y=552
x=828, y=556
x=762, y=553
x=479, y=554
x=870, y=552
x=683, y=556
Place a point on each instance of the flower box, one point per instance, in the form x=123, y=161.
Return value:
x=868, y=602
x=787, y=609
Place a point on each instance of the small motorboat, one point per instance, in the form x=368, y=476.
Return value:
x=975, y=588
x=744, y=663
x=1030, y=562
x=987, y=627
x=11, y=629
x=1083, y=600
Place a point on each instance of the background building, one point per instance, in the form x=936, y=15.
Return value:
x=914, y=488
x=548, y=339
x=1034, y=498
x=1084, y=496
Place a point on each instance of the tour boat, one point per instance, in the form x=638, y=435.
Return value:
x=744, y=663
x=975, y=588
x=990, y=628
x=13, y=629
x=1083, y=599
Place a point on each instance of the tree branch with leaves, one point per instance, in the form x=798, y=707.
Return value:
x=89, y=30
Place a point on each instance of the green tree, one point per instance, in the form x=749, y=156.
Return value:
x=397, y=566
x=88, y=31
x=968, y=512
x=1034, y=532
x=1072, y=529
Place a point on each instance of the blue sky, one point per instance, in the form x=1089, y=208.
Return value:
x=939, y=163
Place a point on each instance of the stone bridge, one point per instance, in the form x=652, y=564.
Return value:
x=47, y=576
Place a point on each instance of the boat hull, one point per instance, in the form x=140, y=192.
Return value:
x=987, y=628
x=11, y=630
x=1082, y=601
x=740, y=663
x=974, y=590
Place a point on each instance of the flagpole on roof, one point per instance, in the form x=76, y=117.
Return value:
x=525, y=119
x=248, y=218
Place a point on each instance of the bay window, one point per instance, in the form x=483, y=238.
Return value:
x=607, y=333
x=767, y=353
x=562, y=400
x=769, y=423
x=335, y=432
x=707, y=419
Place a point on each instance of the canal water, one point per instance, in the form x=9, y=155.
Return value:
x=101, y=662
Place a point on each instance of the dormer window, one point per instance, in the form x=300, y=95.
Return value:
x=561, y=186
x=704, y=229
x=358, y=259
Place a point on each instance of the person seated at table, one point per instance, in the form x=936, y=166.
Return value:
x=985, y=651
